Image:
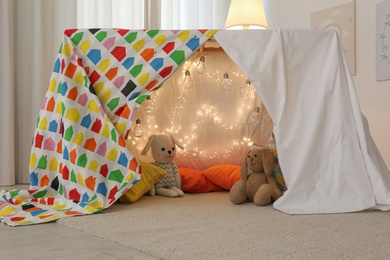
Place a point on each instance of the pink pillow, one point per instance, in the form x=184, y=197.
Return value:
x=192, y=180
x=224, y=175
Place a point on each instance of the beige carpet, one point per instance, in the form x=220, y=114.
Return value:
x=208, y=226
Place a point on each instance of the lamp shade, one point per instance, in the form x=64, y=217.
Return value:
x=246, y=14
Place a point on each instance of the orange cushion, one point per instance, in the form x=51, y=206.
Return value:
x=224, y=175
x=192, y=180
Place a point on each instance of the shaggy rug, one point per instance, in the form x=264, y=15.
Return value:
x=209, y=226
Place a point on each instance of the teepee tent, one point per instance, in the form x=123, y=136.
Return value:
x=79, y=161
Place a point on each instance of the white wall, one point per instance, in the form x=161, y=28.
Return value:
x=374, y=96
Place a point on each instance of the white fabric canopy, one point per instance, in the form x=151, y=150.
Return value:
x=328, y=158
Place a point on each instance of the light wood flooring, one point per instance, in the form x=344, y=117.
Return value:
x=55, y=241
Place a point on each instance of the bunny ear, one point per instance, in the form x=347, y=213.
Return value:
x=176, y=142
x=244, y=168
x=148, y=145
x=268, y=161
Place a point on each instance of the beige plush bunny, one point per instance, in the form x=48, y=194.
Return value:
x=257, y=185
x=164, y=152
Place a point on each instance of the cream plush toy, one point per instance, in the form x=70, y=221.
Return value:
x=257, y=185
x=164, y=152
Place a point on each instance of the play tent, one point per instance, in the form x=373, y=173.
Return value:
x=79, y=161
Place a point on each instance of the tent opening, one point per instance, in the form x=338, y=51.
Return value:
x=216, y=119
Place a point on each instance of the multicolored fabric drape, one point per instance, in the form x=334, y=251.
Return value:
x=79, y=162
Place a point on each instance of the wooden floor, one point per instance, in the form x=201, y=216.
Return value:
x=55, y=241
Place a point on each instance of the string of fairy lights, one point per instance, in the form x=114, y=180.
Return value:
x=243, y=118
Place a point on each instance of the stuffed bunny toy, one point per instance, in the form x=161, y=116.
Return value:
x=257, y=185
x=164, y=152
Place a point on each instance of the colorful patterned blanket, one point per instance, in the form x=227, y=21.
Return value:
x=79, y=162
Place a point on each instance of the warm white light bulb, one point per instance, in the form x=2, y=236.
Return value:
x=255, y=117
x=271, y=144
x=226, y=83
x=217, y=120
x=245, y=89
x=138, y=132
x=187, y=80
x=148, y=105
x=201, y=67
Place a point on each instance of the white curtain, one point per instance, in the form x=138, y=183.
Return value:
x=32, y=32
x=152, y=14
x=179, y=14
x=111, y=13
x=7, y=157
